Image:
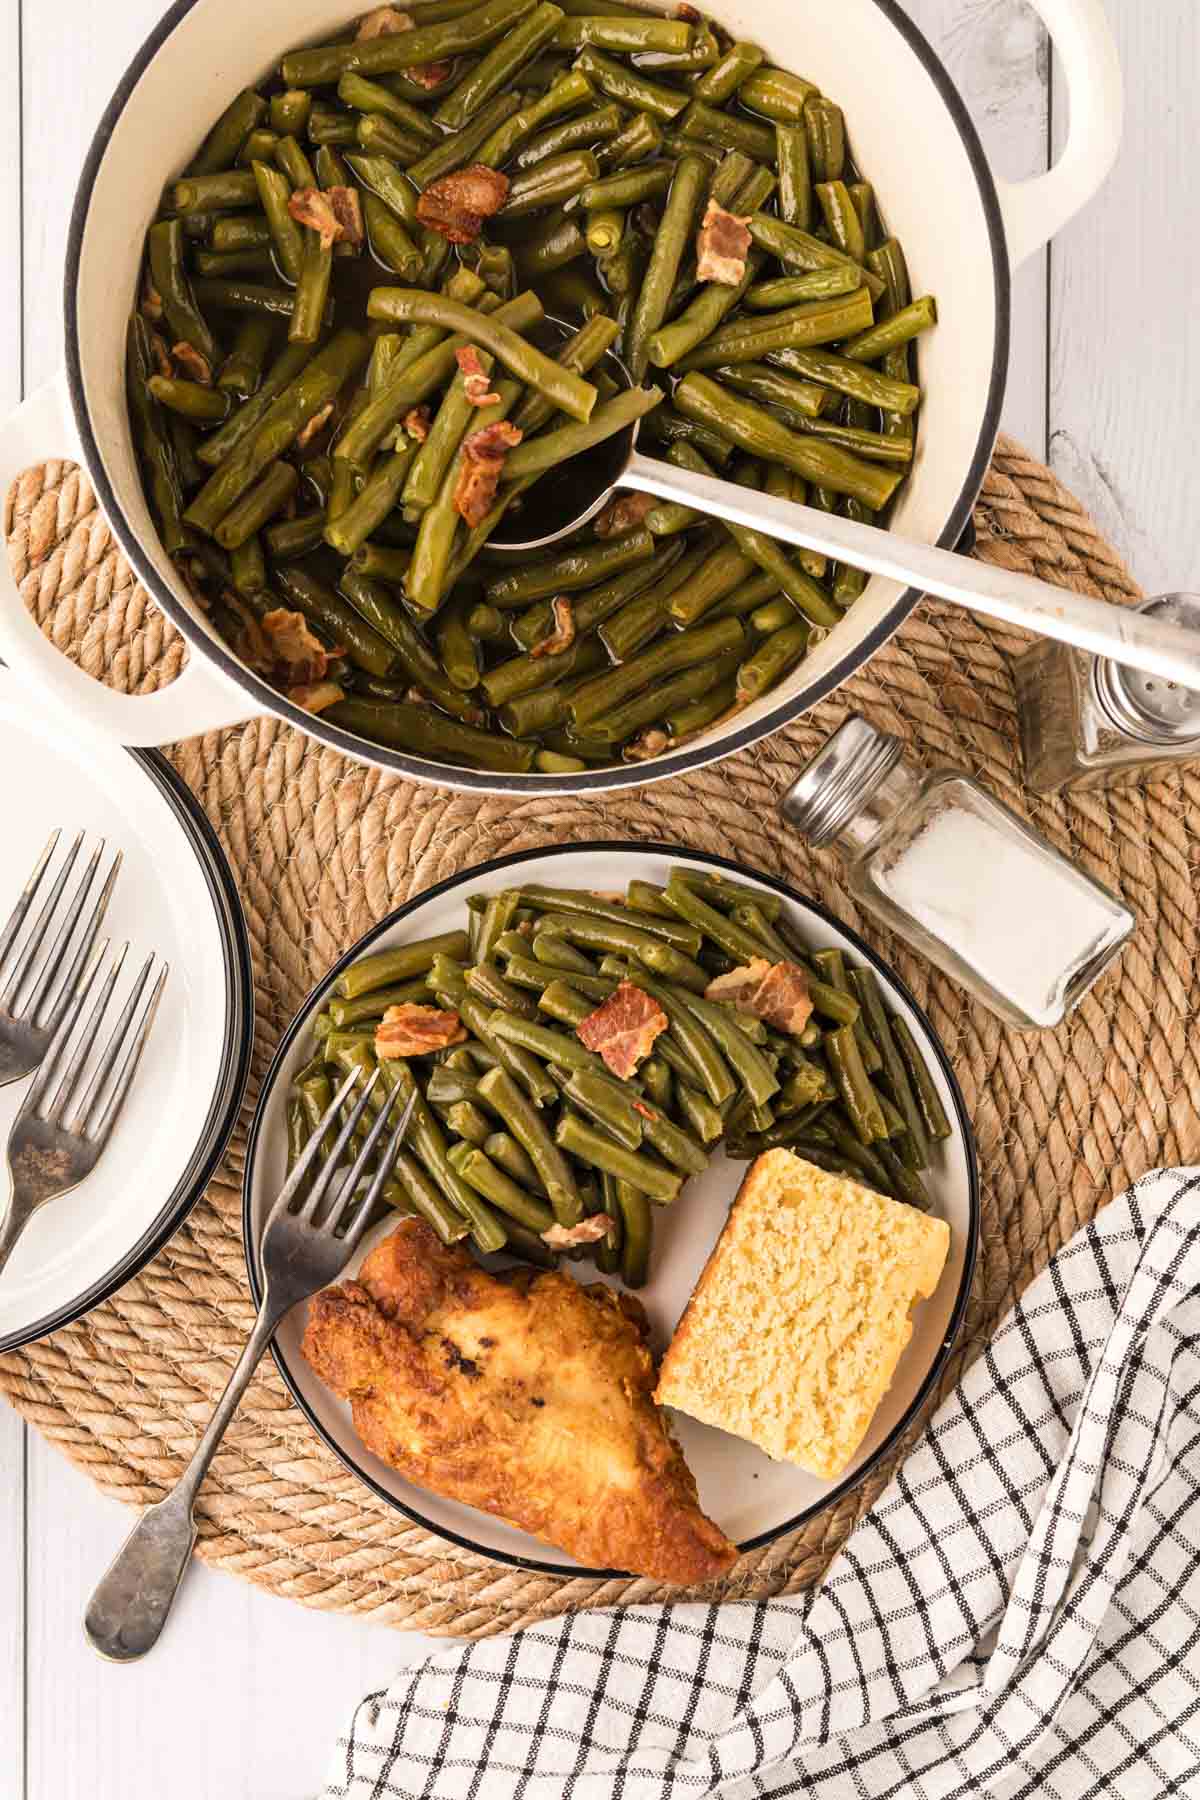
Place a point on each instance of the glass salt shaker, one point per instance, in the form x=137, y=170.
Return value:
x=1087, y=721
x=959, y=876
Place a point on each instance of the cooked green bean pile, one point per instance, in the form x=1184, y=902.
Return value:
x=375, y=323
x=521, y=1127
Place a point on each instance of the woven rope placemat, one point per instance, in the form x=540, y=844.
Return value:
x=322, y=848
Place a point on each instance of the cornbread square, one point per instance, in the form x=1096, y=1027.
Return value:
x=797, y=1323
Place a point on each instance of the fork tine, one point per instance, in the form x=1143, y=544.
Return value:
x=85, y=1040
x=66, y=1026
x=128, y=1042
x=29, y=949
x=91, y=931
x=345, y=1194
x=58, y=949
x=321, y=1185
x=312, y=1149
x=25, y=897
x=387, y=1162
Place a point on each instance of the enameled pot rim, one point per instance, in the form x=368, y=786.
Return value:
x=680, y=762
x=725, y=865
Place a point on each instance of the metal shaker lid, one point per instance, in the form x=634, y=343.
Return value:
x=839, y=778
x=1145, y=706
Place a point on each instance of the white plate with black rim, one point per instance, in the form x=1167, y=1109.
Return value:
x=174, y=896
x=751, y=1497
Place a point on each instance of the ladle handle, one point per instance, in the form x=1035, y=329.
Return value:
x=1169, y=651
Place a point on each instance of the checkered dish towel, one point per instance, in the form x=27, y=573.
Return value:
x=1019, y=1616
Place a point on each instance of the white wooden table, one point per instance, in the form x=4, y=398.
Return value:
x=244, y=1694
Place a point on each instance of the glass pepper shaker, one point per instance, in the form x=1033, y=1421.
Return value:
x=1086, y=721
x=959, y=876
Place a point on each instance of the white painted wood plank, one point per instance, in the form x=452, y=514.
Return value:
x=997, y=55
x=1125, y=337
x=12, y=1431
x=242, y=1698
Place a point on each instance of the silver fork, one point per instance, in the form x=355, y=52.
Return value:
x=49, y=1151
x=299, y=1255
x=25, y=1034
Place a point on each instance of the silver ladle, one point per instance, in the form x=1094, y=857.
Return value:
x=1152, y=645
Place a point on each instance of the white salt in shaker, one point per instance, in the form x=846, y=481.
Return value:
x=959, y=876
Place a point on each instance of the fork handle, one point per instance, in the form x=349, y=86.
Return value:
x=13, y=1221
x=130, y=1605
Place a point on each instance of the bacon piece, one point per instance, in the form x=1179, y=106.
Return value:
x=624, y=512
x=777, y=992
x=194, y=365
x=336, y=221
x=294, y=646
x=416, y=1030
x=347, y=210
x=457, y=204
x=476, y=385
x=482, y=460
x=721, y=245
x=652, y=742
x=316, y=695
x=416, y=423
x=151, y=305
x=315, y=425
x=563, y=634
x=251, y=642
x=162, y=356
x=622, y=1030
x=588, y=1231
x=647, y=1112
x=385, y=21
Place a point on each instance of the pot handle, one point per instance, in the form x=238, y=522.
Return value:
x=199, y=700
x=1035, y=210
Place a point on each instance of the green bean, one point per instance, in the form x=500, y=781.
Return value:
x=570, y=1002
x=498, y=1187
x=427, y=1139
x=636, y=1227
x=668, y=427
x=933, y=1114
x=576, y=568
x=554, y=447
x=425, y=1199
x=287, y=237
x=557, y=953
x=799, y=401
x=573, y=903
x=826, y=128
x=702, y=53
x=557, y=242
x=636, y=142
x=841, y=219
x=895, y=1071
x=241, y=372
x=364, y=647
x=222, y=191
x=238, y=296
x=857, y=1095
x=374, y=1004
x=790, y=290
x=564, y=95
x=544, y=707
x=629, y=88
x=899, y=328
x=601, y=1152
x=187, y=324
x=223, y=442
x=270, y=493
x=292, y=160
x=153, y=444
x=875, y=446
x=621, y=34
x=589, y=131
x=705, y=125
x=240, y=231
x=567, y=390
x=627, y=187
x=377, y=498
x=503, y=1149
x=390, y=243
x=395, y=52
x=312, y=290
x=722, y=81
x=650, y=307
x=189, y=398
x=462, y=147
x=220, y=148
x=830, y=966
x=791, y=328
x=248, y=567
x=680, y=651
x=521, y=1119
x=752, y=430
x=499, y=67
x=795, y=176
x=455, y=414
x=700, y=319
x=758, y=1078
x=415, y=729
x=230, y=264
x=702, y=1063
x=777, y=94
x=799, y=249
x=467, y=1122
x=848, y=377
x=260, y=146
x=717, y=574
x=367, y=96
x=771, y=660
x=551, y=182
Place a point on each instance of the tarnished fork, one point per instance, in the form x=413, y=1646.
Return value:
x=301, y=1252
x=28, y=1020
x=50, y=1150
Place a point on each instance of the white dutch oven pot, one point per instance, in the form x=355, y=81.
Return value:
x=963, y=232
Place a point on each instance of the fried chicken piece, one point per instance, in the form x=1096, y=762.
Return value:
x=526, y=1395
